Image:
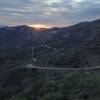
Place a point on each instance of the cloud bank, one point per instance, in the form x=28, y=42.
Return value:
x=49, y=12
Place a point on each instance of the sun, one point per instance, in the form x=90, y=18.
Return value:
x=39, y=26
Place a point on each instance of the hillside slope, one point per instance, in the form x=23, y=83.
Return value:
x=74, y=46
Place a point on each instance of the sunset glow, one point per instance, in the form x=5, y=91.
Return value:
x=38, y=26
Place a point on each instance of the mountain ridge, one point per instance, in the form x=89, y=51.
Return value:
x=73, y=46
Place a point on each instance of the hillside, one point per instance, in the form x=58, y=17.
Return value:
x=74, y=46
x=30, y=84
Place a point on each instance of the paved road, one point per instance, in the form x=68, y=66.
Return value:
x=55, y=68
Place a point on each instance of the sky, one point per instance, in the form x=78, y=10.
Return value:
x=52, y=13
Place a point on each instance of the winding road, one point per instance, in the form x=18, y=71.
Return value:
x=55, y=68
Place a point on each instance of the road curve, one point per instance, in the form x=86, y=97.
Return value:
x=55, y=68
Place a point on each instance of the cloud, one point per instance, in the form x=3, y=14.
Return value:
x=51, y=12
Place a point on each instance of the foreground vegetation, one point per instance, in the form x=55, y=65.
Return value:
x=31, y=84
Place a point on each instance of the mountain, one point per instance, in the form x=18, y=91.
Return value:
x=74, y=46
x=2, y=26
x=16, y=41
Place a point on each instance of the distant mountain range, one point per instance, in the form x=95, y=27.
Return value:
x=74, y=46
x=2, y=26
